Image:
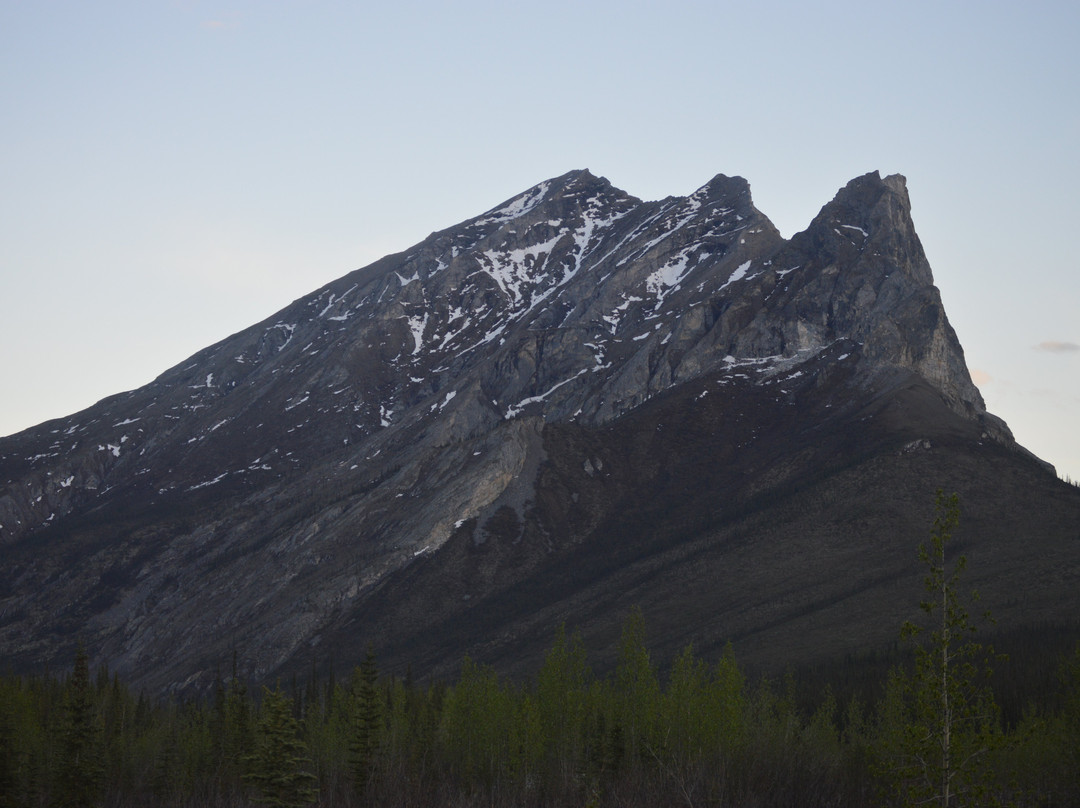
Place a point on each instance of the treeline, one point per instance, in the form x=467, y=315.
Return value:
x=699, y=735
x=931, y=733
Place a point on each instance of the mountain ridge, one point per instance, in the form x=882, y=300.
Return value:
x=455, y=411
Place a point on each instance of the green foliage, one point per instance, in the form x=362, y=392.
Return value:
x=561, y=700
x=689, y=732
x=703, y=709
x=701, y=735
x=1068, y=725
x=237, y=739
x=80, y=762
x=1044, y=758
x=8, y=749
x=279, y=766
x=368, y=728
x=637, y=690
x=940, y=723
x=477, y=725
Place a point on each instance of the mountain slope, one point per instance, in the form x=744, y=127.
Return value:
x=575, y=401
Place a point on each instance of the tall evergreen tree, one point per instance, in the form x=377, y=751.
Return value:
x=238, y=733
x=367, y=711
x=1066, y=732
x=80, y=773
x=940, y=723
x=279, y=769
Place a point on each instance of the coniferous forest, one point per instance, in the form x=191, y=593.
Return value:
x=700, y=735
x=949, y=722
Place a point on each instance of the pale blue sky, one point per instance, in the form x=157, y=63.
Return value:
x=172, y=172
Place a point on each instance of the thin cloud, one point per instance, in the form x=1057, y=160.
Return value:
x=1054, y=346
x=231, y=21
x=980, y=377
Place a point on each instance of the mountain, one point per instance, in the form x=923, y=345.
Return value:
x=574, y=403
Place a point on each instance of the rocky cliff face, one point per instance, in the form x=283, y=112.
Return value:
x=462, y=412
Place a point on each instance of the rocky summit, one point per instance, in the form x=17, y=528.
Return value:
x=575, y=403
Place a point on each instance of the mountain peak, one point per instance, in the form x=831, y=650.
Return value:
x=732, y=187
x=472, y=410
x=865, y=250
x=897, y=182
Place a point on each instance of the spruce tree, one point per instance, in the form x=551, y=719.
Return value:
x=279, y=769
x=366, y=737
x=237, y=739
x=940, y=723
x=81, y=770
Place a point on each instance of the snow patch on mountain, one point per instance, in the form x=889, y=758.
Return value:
x=518, y=206
x=517, y=409
x=417, y=323
x=737, y=275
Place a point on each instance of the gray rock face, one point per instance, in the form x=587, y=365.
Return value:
x=269, y=492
